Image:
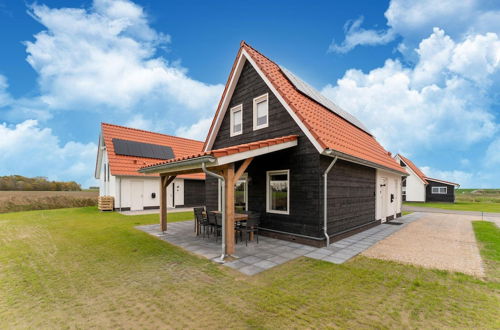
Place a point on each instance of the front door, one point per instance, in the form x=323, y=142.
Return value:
x=170, y=195
x=178, y=192
x=136, y=193
x=383, y=198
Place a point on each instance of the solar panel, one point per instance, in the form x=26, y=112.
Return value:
x=312, y=93
x=140, y=149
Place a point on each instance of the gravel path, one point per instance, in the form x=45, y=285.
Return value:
x=441, y=241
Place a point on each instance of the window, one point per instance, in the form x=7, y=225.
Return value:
x=260, y=112
x=241, y=194
x=440, y=190
x=237, y=120
x=278, y=192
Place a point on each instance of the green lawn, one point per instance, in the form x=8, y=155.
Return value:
x=78, y=268
x=462, y=206
x=482, y=200
x=488, y=236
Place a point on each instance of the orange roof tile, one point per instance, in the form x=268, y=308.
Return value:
x=414, y=168
x=230, y=150
x=128, y=165
x=329, y=129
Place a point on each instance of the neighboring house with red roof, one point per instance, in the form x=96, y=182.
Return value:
x=418, y=187
x=311, y=170
x=123, y=150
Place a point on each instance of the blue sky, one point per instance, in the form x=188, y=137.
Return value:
x=423, y=76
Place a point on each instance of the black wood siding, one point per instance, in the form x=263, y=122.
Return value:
x=194, y=192
x=351, y=195
x=302, y=161
x=351, y=187
x=430, y=197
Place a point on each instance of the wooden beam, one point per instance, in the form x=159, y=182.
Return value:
x=196, y=170
x=242, y=169
x=169, y=181
x=163, y=201
x=229, y=221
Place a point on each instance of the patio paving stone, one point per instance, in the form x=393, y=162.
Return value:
x=251, y=270
x=266, y=264
x=251, y=260
x=237, y=264
x=270, y=252
x=278, y=260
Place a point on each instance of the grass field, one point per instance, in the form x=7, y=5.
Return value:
x=488, y=236
x=482, y=200
x=78, y=268
x=13, y=201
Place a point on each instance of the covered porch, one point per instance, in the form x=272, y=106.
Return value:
x=227, y=165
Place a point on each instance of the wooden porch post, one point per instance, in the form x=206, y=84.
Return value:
x=164, y=182
x=163, y=203
x=229, y=221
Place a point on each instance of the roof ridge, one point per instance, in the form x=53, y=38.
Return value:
x=441, y=180
x=150, y=132
x=316, y=118
x=255, y=50
x=414, y=167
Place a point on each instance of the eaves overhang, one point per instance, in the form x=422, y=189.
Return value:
x=353, y=159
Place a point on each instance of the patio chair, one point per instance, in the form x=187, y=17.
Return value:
x=218, y=225
x=200, y=219
x=250, y=226
x=212, y=222
x=239, y=224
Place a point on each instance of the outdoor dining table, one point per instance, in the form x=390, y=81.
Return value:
x=237, y=218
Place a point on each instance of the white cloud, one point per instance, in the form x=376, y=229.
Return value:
x=5, y=98
x=106, y=59
x=138, y=121
x=463, y=178
x=28, y=149
x=197, y=131
x=413, y=20
x=107, y=56
x=477, y=58
x=492, y=157
x=431, y=105
x=356, y=35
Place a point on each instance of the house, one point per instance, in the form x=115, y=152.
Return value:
x=313, y=171
x=122, y=151
x=418, y=187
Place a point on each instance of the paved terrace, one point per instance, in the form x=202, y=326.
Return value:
x=270, y=252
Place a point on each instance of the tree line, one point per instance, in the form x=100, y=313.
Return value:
x=39, y=183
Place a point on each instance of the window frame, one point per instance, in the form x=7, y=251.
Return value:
x=244, y=177
x=234, y=109
x=438, y=192
x=257, y=100
x=268, y=190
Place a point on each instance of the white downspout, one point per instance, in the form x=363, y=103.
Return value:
x=325, y=200
x=223, y=208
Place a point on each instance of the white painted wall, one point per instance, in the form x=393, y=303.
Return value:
x=150, y=186
x=105, y=186
x=383, y=205
x=415, y=187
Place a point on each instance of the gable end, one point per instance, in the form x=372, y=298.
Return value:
x=243, y=58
